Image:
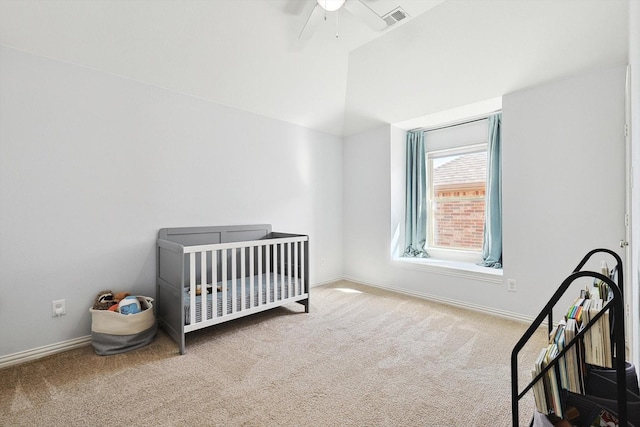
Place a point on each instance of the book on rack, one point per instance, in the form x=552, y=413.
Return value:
x=598, y=337
x=574, y=359
x=574, y=318
x=596, y=342
x=539, y=393
x=557, y=336
x=575, y=310
x=547, y=391
x=555, y=391
x=597, y=352
x=588, y=338
x=604, y=291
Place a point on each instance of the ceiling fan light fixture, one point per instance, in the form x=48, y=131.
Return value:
x=330, y=5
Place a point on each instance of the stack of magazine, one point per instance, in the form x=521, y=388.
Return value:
x=594, y=348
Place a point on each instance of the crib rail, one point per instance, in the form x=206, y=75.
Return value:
x=243, y=277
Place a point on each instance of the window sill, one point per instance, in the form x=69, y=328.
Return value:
x=466, y=270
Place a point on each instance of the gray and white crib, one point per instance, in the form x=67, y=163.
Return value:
x=226, y=272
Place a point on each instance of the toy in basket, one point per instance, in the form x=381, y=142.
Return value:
x=128, y=326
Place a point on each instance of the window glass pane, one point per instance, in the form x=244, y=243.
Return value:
x=457, y=196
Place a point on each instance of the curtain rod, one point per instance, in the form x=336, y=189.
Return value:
x=456, y=123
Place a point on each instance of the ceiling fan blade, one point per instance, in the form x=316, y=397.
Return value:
x=315, y=15
x=367, y=15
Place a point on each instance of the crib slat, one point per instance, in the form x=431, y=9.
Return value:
x=267, y=250
x=223, y=297
x=285, y=272
x=203, y=286
x=214, y=283
x=243, y=257
x=251, y=279
x=290, y=271
x=234, y=290
x=192, y=288
x=259, y=273
x=302, y=274
x=296, y=281
x=282, y=273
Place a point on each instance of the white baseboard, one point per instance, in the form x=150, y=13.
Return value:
x=326, y=282
x=456, y=303
x=39, y=352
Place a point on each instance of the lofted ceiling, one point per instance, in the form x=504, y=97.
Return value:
x=246, y=54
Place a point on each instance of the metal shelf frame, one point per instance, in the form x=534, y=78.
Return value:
x=615, y=306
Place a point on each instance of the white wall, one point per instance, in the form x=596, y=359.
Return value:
x=563, y=195
x=92, y=165
x=563, y=187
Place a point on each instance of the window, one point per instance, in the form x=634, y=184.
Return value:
x=451, y=186
x=456, y=162
x=456, y=198
x=455, y=193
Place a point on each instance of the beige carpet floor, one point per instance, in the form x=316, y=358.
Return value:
x=361, y=357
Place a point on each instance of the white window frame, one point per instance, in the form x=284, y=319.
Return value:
x=439, y=252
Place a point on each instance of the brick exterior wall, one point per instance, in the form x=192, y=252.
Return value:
x=459, y=218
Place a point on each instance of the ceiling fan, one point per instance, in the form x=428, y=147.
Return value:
x=357, y=8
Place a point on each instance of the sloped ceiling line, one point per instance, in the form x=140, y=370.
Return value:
x=245, y=54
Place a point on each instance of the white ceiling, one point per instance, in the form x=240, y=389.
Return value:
x=246, y=53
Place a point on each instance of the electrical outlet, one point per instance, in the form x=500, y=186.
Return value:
x=511, y=285
x=58, y=308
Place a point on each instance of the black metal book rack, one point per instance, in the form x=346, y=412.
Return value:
x=615, y=307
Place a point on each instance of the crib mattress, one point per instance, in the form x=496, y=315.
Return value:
x=259, y=281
